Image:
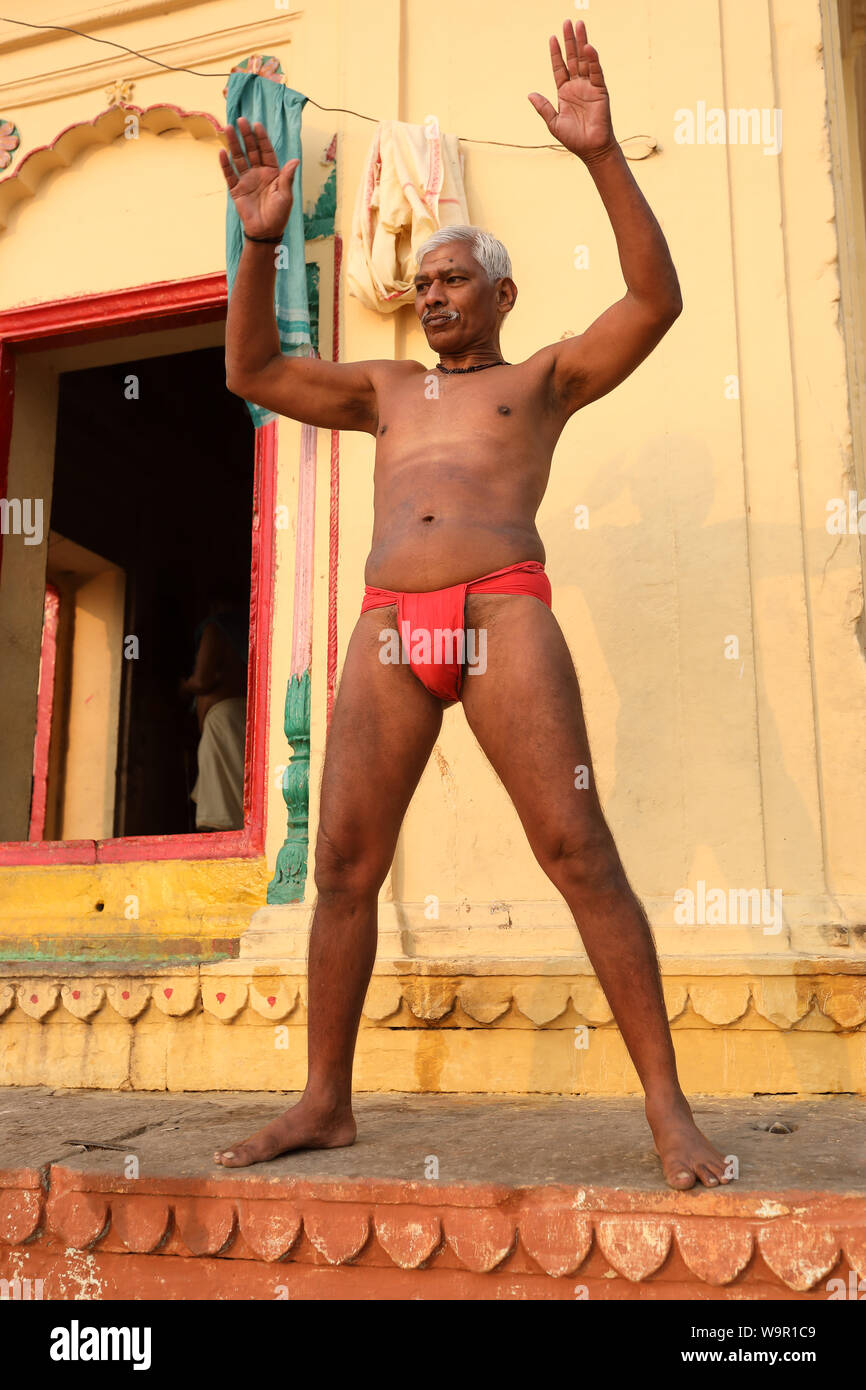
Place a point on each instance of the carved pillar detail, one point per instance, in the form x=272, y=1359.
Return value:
x=290, y=874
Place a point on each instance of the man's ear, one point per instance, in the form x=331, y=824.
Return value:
x=506, y=294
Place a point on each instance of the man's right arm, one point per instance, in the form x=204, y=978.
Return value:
x=332, y=395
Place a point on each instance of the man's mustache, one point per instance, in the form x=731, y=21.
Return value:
x=438, y=314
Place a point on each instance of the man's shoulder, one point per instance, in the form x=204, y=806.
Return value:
x=397, y=366
x=543, y=360
x=387, y=373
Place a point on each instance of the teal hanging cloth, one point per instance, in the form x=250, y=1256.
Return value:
x=279, y=109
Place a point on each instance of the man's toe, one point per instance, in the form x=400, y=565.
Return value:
x=680, y=1176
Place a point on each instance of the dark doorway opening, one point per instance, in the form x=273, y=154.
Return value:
x=154, y=470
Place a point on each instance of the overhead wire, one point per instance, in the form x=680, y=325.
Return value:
x=195, y=72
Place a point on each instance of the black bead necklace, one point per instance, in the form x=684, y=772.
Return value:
x=459, y=371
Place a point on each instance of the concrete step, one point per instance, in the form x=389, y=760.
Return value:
x=115, y=1196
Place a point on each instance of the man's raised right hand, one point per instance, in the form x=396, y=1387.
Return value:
x=261, y=190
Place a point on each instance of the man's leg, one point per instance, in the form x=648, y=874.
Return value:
x=526, y=712
x=382, y=732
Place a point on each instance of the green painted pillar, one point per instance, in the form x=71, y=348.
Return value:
x=290, y=874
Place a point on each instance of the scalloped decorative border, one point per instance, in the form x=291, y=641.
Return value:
x=104, y=127
x=783, y=1001
x=800, y=1239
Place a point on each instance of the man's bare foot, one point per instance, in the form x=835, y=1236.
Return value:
x=687, y=1155
x=304, y=1126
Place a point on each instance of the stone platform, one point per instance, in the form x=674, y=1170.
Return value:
x=115, y=1196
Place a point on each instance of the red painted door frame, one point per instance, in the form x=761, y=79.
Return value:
x=144, y=309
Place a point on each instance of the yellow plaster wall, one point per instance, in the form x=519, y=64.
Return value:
x=707, y=506
x=833, y=570
x=706, y=509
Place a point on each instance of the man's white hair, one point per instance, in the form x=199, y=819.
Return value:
x=490, y=254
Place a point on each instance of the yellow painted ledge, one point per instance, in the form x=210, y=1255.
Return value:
x=66, y=909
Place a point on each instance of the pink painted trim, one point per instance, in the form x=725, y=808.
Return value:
x=44, y=712
x=334, y=517
x=17, y=853
x=302, y=617
x=333, y=563
x=261, y=632
x=166, y=304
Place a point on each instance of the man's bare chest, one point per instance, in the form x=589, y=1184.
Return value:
x=431, y=406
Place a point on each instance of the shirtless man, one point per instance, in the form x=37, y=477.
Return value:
x=459, y=476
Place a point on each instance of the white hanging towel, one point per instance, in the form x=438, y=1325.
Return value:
x=412, y=185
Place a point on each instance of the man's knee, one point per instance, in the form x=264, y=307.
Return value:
x=348, y=865
x=586, y=862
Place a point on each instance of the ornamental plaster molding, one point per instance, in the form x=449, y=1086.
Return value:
x=833, y=1003
x=104, y=128
x=215, y=46
x=790, y=1241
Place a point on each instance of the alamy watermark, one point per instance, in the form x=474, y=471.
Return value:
x=847, y=520
x=716, y=907
x=439, y=646
x=21, y=1290
x=77, y=1343
x=712, y=125
x=22, y=516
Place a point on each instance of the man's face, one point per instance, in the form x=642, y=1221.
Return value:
x=454, y=299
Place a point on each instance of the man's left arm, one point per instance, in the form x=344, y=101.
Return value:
x=592, y=364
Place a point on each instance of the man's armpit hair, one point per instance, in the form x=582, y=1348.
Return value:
x=571, y=381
